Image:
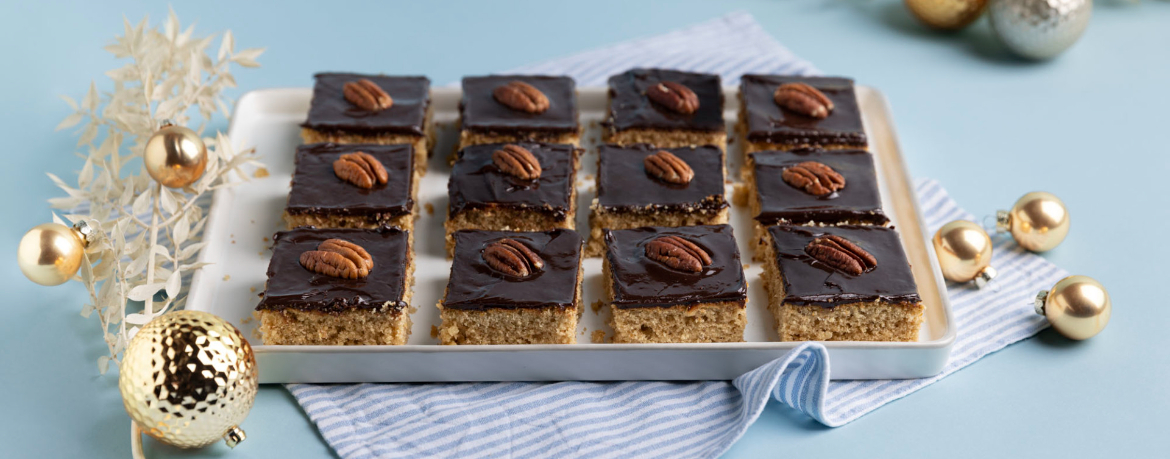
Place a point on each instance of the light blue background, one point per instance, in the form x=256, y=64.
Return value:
x=1088, y=127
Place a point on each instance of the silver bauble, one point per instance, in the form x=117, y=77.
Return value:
x=1039, y=29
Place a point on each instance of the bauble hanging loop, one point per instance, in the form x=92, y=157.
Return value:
x=1078, y=307
x=188, y=378
x=1039, y=221
x=51, y=253
x=964, y=250
x=175, y=156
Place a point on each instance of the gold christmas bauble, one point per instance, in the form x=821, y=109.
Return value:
x=51, y=253
x=1038, y=221
x=175, y=156
x=964, y=252
x=1077, y=306
x=188, y=378
x=946, y=14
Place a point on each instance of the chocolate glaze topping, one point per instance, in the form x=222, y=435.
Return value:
x=476, y=286
x=479, y=110
x=810, y=282
x=629, y=108
x=857, y=202
x=330, y=112
x=639, y=281
x=623, y=184
x=767, y=122
x=317, y=189
x=477, y=183
x=290, y=285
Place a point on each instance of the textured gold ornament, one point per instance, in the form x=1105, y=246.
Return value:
x=188, y=378
x=1039, y=221
x=175, y=156
x=51, y=253
x=1077, y=306
x=964, y=252
x=946, y=14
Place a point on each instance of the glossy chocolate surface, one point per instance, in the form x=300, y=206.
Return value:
x=477, y=183
x=639, y=281
x=767, y=122
x=317, y=189
x=810, y=282
x=629, y=108
x=480, y=111
x=624, y=184
x=290, y=285
x=476, y=286
x=858, y=202
x=330, y=112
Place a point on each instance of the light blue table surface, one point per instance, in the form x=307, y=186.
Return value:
x=988, y=126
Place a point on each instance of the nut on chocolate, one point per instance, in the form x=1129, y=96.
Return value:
x=512, y=257
x=803, y=99
x=517, y=161
x=367, y=95
x=841, y=254
x=814, y=178
x=361, y=169
x=678, y=253
x=338, y=258
x=521, y=96
x=674, y=96
x=669, y=168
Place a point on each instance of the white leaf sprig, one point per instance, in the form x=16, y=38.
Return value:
x=147, y=237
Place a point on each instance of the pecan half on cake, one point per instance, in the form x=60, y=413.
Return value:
x=674, y=285
x=840, y=283
x=513, y=288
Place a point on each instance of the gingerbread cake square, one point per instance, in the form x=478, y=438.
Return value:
x=329, y=190
x=639, y=185
x=318, y=292
x=840, y=283
x=335, y=118
x=813, y=188
x=674, y=285
x=513, y=288
x=519, y=108
x=765, y=125
x=487, y=192
x=648, y=106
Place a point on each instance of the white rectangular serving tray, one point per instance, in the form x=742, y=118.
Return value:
x=243, y=219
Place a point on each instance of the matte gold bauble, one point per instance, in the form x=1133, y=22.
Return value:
x=946, y=14
x=175, y=156
x=188, y=378
x=51, y=253
x=964, y=252
x=1077, y=306
x=1039, y=221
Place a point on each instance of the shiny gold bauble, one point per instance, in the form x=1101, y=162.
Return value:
x=51, y=253
x=946, y=14
x=1038, y=221
x=175, y=156
x=964, y=252
x=188, y=378
x=1077, y=306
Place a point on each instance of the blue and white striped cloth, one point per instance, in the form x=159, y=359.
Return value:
x=666, y=419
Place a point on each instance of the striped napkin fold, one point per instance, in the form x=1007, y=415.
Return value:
x=666, y=419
